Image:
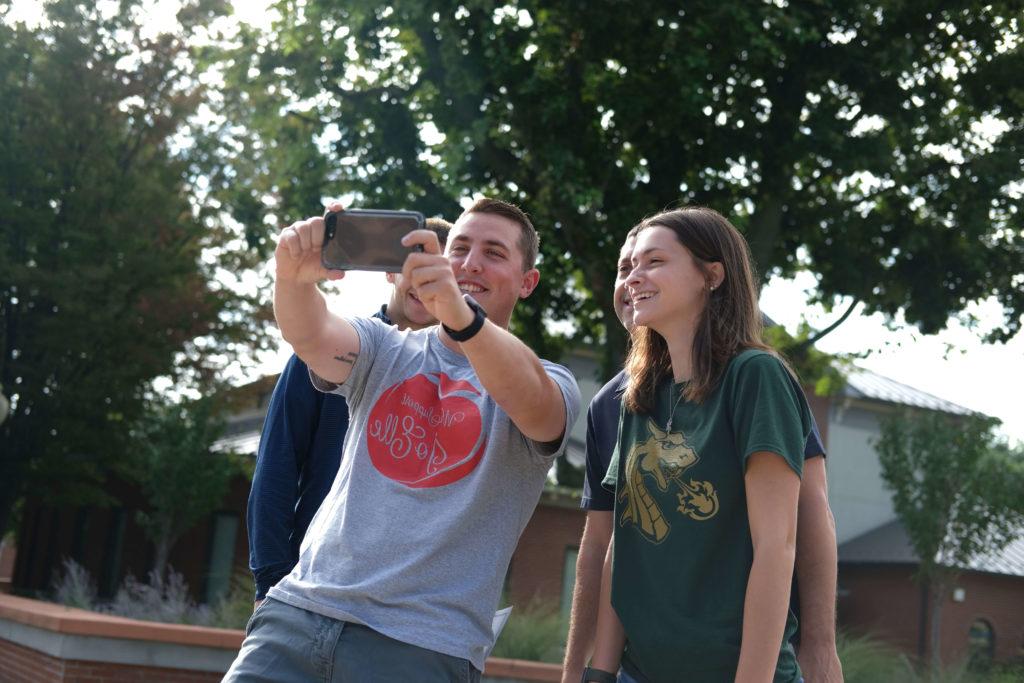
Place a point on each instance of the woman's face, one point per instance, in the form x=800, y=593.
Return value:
x=667, y=287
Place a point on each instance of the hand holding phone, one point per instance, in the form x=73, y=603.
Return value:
x=368, y=239
x=298, y=255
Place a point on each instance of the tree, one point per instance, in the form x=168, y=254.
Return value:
x=182, y=477
x=107, y=265
x=844, y=138
x=956, y=490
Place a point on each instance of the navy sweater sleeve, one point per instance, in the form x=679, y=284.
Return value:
x=602, y=432
x=284, y=444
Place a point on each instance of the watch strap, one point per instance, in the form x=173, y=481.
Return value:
x=592, y=675
x=468, y=332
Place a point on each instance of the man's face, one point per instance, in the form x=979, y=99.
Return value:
x=484, y=252
x=622, y=303
x=405, y=308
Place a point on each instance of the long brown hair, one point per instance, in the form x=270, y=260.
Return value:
x=730, y=322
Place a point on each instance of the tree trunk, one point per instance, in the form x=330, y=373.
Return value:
x=938, y=594
x=762, y=236
x=161, y=553
x=10, y=476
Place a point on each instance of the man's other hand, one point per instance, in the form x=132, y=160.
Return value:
x=820, y=663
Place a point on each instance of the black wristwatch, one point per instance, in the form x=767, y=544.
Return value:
x=591, y=675
x=468, y=332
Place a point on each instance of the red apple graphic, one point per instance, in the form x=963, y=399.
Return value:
x=426, y=431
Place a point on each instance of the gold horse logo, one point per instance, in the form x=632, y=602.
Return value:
x=664, y=457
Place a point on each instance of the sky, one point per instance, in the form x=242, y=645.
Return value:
x=954, y=364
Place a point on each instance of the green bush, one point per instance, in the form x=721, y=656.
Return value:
x=535, y=633
x=166, y=601
x=234, y=609
x=867, y=660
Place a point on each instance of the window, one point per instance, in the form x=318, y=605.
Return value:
x=222, y=555
x=981, y=644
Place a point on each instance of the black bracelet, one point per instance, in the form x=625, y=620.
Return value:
x=468, y=332
x=591, y=675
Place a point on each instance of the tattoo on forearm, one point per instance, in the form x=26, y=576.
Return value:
x=349, y=358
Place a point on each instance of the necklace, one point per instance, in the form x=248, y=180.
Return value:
x=672, y=413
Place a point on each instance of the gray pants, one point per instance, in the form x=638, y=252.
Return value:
x=285, y=644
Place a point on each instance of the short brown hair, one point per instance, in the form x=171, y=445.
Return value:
x=529, y=240
x=441, y=228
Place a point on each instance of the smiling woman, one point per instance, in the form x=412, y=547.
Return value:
x=706, y=470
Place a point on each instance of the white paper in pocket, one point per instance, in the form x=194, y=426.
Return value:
x=497, y=624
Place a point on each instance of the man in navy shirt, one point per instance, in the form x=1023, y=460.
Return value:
x=816, y=539
x=300, y=448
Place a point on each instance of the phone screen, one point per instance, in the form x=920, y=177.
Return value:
x=367, y=240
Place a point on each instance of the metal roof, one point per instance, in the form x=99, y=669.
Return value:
x=246, y=443
x=889, y=544
x=864, y=384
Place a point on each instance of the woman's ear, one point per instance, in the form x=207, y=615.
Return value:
x=715, y=275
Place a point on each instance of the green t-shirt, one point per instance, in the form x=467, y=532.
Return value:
x=682, y=540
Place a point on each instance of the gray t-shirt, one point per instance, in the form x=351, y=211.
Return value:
x=436, y=484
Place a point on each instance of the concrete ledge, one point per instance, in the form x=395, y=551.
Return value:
x=107, y=650
x=72, y=621
x=520, y=670
x=76, y=635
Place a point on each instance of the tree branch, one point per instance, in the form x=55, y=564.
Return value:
x=810, y=341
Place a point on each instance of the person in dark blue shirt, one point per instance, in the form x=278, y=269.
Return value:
x=300, y=448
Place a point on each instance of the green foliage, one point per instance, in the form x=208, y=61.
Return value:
x=74, y=587
x=180, y=475
x=164, y=599
x=867, y=660
x=534, y=632
x=236, y=606
x=567, y=474
x=108, y=265
x=824, y=371
x=840, y=137
x=955, y=487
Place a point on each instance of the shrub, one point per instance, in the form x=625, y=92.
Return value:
x=534, y=632
x=74, y=587
x=167, y=601
x=234, y=609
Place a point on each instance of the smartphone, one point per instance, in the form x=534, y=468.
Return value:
x=368, y=239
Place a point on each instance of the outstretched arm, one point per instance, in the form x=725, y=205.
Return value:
x=328, y=344
x=816, y=577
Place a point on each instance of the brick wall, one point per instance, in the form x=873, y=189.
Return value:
x=535, y=572
x=999, y=600
x=23, y=665
x=886, y=602
x=883, y=602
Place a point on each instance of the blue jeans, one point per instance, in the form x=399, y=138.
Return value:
x=285, y=644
